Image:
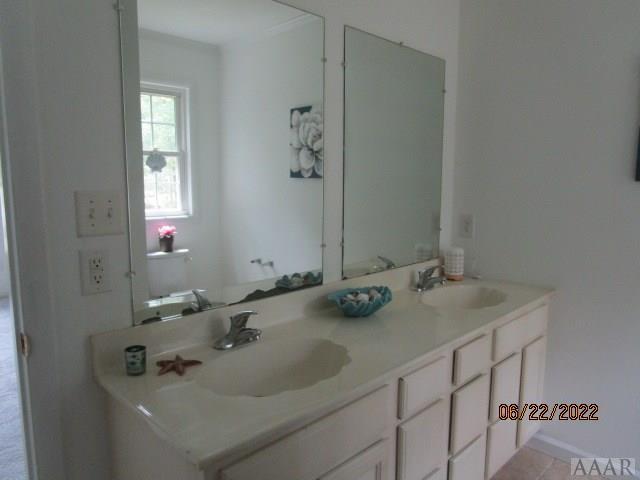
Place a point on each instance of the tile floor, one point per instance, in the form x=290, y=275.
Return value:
x=12, y=455
x=529, y=464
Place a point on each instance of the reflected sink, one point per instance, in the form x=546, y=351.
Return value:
x=467, y=297
x=271, y=367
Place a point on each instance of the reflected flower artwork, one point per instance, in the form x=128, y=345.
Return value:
x=306, y=142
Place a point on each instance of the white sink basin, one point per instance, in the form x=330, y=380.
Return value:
x=270, y=367
x=467, y=297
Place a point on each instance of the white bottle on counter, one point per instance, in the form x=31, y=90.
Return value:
x=454, y=264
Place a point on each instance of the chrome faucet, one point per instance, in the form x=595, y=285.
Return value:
x=202, y=303
x=388, y=263
x=238, y=333
x=426, y=281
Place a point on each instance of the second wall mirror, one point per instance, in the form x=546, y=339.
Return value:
x=224, y=128
x=394, y=118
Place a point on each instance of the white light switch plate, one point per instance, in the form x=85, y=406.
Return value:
x=95, y=272
x=99, y=212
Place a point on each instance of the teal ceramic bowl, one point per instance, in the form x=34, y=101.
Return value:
x=363, y=309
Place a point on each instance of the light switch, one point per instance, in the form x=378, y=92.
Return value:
x=99, y=212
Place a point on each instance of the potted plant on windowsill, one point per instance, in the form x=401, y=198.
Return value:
x=166, y=234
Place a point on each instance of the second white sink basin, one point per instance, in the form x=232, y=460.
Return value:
x=468, y=297
x=270, y=367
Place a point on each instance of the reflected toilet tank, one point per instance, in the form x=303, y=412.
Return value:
x=167, y=272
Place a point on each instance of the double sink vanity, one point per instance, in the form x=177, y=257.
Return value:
x=411, y=393
x=224, y=114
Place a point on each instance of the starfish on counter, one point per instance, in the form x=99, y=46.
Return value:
x=178, y=365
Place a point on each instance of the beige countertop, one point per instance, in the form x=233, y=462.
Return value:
x=205, y=426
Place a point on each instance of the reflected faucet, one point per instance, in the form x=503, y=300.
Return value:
x=426, y=281
x=238, y=334
x=202, y=303
x=388, y=263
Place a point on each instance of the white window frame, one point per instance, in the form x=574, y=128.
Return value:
x=183, y=139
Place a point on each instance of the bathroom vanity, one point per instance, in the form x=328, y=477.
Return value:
x=410, y=393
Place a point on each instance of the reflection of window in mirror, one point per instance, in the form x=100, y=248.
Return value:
x=165, y=152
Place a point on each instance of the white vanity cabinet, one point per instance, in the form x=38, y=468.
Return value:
x=436, y=419
x=516, y=379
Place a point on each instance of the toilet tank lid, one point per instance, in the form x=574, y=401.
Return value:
x=183, y=252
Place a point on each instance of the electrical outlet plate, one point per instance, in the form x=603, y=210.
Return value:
x=94, y=272
x=467, y=225
x=99, y=213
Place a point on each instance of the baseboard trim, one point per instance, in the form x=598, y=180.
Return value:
x=561, y=450
x=556, y=448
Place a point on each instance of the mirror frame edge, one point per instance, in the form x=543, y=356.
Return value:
x=134, y=173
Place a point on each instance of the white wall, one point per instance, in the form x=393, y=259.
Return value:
x=547, y=129
x=77, y=100
x=74, y=143
x=177, y=62
x=267, y=214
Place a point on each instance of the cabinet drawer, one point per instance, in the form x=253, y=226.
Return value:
x=469, y=464
x=514, y=335
x=422, y=442
x=501, y=445
x=471, y=359
x=470, y=411
x=505, y=384
x=419, y=388
x=321, y=446
x=368, y=465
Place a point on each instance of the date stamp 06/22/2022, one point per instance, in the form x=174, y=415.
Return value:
x=548, y=412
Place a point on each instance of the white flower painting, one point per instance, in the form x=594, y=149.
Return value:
x=306, y=142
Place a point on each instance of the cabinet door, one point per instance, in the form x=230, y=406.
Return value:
x=505, y=384
x=470, y=412
x=531, y=385
x=368, y=465
x=422, y=442
x=317, y=448
x=469, y=463
x=501, y=445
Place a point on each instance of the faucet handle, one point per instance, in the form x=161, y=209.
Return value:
x=428, y=272
x=239, y=320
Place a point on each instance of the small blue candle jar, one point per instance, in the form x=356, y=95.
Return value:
x=135, y=358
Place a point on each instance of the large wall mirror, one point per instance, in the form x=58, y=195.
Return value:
x=224, y=132
x=394, y=120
